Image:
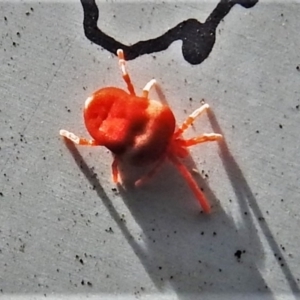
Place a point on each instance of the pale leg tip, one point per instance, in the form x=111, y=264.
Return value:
x=63, y=132
x=115, y=179
x=138, y=183
x=120, y=53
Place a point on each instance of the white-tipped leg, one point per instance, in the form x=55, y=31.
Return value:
x=125, y=74
x=76, y=139
x=148, y=87
x=207, y=137
x=191, y=118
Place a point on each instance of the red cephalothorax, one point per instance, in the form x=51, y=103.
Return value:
x=139, y=130
x=127, y=125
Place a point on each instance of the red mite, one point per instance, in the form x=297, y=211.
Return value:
x=139, y=130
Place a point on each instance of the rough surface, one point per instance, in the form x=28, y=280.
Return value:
x=65, y=229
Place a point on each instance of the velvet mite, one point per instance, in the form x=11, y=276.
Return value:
x=139, y=130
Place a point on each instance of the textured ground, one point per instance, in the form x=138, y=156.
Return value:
x=64, y=228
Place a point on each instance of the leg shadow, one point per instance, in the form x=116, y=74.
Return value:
x=248, y=202
x=183, y=251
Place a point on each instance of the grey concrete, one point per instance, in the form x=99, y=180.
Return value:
x=64, y=230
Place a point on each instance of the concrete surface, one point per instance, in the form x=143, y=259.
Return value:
x=64, y=229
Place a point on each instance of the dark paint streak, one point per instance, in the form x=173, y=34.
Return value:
x=197, y=38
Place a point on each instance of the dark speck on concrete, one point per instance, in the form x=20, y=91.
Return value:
x=110, y=230
x=238, y=254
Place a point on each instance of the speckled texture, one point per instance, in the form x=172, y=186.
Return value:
x=64, y=227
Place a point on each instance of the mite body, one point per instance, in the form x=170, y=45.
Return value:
x=139, y=130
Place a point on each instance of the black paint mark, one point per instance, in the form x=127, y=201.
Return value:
x=197, y=38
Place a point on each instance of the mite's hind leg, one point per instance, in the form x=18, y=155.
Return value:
x=192, y=183
x=151, y=173
x=76, y=139
x=207, y=137
x=115, y=170
x=148, y=87
x=191, y=118
x=125, y=74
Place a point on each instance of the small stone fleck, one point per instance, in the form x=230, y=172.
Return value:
x=238, y=254
x=110, y=230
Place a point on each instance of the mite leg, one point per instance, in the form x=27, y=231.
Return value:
x=151, y=173
x=207, y=137
x=148, y=87
x=115, y=171
x=192, y=183
x=76, y=139
x=125, y=74
x=191, y=118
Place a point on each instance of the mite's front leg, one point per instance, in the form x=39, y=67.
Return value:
x=76, y=139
